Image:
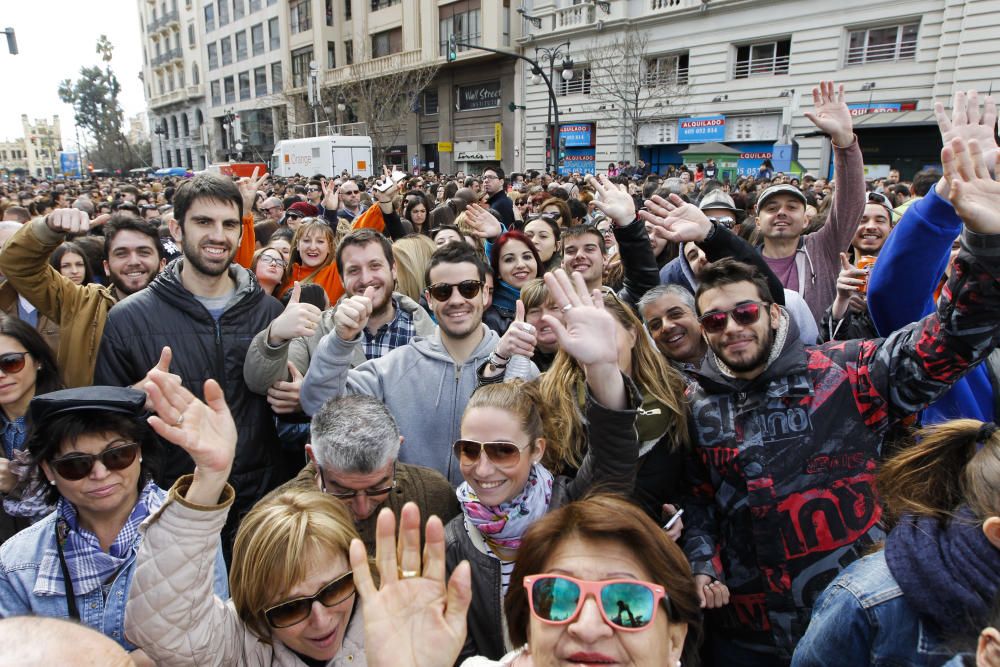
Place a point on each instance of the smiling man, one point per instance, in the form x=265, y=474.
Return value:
x=206, y=310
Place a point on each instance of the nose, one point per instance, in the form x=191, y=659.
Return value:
x=362, y=507
x=98, y=471
x=589, y=626
x=484, y=467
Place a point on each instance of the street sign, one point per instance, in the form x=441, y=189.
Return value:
x=444, y=147
x=414, y=161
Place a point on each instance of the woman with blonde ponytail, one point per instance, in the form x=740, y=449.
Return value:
x=939, y=573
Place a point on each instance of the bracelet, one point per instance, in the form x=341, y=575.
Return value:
x=498, y=360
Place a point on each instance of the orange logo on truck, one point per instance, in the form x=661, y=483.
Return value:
x=361, y=165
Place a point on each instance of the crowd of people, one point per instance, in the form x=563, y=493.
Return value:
x=529, y=419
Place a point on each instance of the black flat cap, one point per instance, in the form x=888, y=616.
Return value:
x=124, y=400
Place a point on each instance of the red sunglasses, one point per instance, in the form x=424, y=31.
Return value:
x=744, y=314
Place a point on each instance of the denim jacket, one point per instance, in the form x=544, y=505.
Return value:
x=102, y=609
x=862, y=618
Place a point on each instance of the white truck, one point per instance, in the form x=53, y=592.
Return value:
x=328, y=156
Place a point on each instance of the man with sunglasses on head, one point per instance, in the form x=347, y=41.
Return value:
x=427, y=383
x=788, y=437
x=354, y=456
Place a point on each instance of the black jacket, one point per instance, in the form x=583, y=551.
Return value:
x=166, y=313
x=610, y=465
x=501, y=203
x=638, y=262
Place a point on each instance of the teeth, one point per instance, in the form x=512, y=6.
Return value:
x=490, y=485
x=674, y=339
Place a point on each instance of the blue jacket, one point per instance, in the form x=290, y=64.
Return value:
x=23, y=555
x=901, y=291
x=862, y=618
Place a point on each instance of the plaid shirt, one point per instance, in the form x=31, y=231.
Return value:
x=396, y=333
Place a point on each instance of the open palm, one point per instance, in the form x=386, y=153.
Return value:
x=615, y=201
x=677, y=220
x=830, y=113
x=966, y=122
x=590, y=334
x=974, y=193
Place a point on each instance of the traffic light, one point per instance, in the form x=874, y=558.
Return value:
x=452, y=49
x=562, y=148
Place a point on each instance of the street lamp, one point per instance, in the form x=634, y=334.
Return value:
x=159, y=132
x=551, y=56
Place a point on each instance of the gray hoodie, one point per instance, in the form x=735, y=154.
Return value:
x=424, y=389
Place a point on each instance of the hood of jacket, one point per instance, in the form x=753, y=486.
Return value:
x=168, y=286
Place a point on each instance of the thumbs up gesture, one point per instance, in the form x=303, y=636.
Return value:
x=298, y=319
x=519, y=337
x=162, y=366
x=284, y=394
x=352, y=315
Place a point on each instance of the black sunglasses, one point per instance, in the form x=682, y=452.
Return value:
x=12, y=362
x=77, y=466
x=467, y=289
x=287, y=614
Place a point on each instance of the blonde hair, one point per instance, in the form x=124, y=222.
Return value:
x=562, y=393
x=521, y=399
x=466, y=231
x=412, y=254
x=278, y=542
x=534, y=294
x=313, y=225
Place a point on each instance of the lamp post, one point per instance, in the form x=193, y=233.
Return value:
x=159, y=132
x=542, y=55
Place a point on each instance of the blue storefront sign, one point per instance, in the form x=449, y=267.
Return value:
x=752, y=153
x=699, y=129
x=875, y=107
x=69, y=163
x=578, y=135
x=578, y=160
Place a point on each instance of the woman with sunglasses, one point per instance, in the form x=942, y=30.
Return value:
x=27, y=368
x=293, y=598
x=596, y=582
x=97, y=454
x=502, y=442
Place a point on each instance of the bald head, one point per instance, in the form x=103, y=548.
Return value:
x=38, y=640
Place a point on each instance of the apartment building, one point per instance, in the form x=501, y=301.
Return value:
x=172, y=77
x=741, y=74
x=36, y=153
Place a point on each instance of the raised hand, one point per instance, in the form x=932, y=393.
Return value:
x=413, y=618
x=590, y=334
x=206, y=431
x=968, y=123
x=162, y=366
x=331, y=200
x=248, y=188
x=283, y=395
x=517, y=339
x=831, y=114
x=483, y=223
x=298, y=319
x=615, y=201
x=387, y=177
x=352, y=315
x=68, y=221
x=974, y=193
x=850, y=282
x=675, y=531
x=676, y=220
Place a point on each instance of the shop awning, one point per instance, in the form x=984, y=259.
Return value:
x=871, y=121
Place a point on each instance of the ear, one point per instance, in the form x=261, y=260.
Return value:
x=49, y=475
x=536, y=456
x=989, y=637
x=775, y=316
x=991, y=528
x=401, y=440
x=677, y=632
x=176, y=230
x=107, y=268
x=310, y=454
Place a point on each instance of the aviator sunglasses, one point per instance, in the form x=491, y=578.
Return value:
x=12, y=362
x=625, y=604
x=77, y=466
x=295, y=611
x=743, y=314
x=502, y=454
x=467, y=289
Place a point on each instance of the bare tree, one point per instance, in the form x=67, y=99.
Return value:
x=384, y=102
x=628, y=86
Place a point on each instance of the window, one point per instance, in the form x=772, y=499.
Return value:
x=209, y=18
x=271, y=2
x=244, y=85
x=239, y=9
x=579, y=84
x=299, y=19
x=890, y=43
x=213, y=56
x=349, y=52
x=195, y=77
x=260, y=82
x=506, y=22
x=300, y=66
x=331, y=55
x=329, y=12
x=227, y=51
x=254, y=6
x=763, y=59
x=241, y=45
x=173, y=126
x=430, y=102
x=191, y=35
x=460, y=19
x=184, y=125
x=667, y=70
x=387, y=42
x=382, y=4
x=274, y=33
x=257, y=38
x=230, y=88
x=347, y=10
x=276, y=85
x=180, y=78
x=187, y=152
x=223, y=6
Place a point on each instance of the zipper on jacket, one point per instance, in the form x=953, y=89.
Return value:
x=219, y=355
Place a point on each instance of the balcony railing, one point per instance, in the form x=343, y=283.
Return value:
x=176, y=96
x=763, y=67
x=572, y=17
x=675, y=77
x=860, y=55
x=167, y=56
x=376, y=67
x=163, y=21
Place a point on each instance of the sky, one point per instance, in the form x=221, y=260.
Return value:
x=55, y=38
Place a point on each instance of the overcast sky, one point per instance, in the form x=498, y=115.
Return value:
x=55, y=38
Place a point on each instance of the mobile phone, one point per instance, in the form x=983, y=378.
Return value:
x=670, y=524
x=394, y=178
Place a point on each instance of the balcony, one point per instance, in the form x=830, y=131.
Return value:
x=166, y=57
x=171, y=17
x=374, y=68
x=177, y=96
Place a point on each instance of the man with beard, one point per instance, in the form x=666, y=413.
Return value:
x=789, y=437
x=197, y=319
x=279, y=356
x=134, y=258
x=427, y=383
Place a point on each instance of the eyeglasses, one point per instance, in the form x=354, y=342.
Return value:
x=743, y=314
x=268, y=209
x=491, y=178
x=295, y=215
x=313, y=189
x=289, y=613
x=347, y=495
x=12, y=362
x=350, y=192
x=626, y=604
x=272, y=260
x=77, y=466
x=501, y=454
x=468, y=289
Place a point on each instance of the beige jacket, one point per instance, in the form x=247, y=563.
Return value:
x=265, y=365
x=172, y=613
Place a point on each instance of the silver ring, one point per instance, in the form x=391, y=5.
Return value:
x=180, y=420
x=567, y=307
